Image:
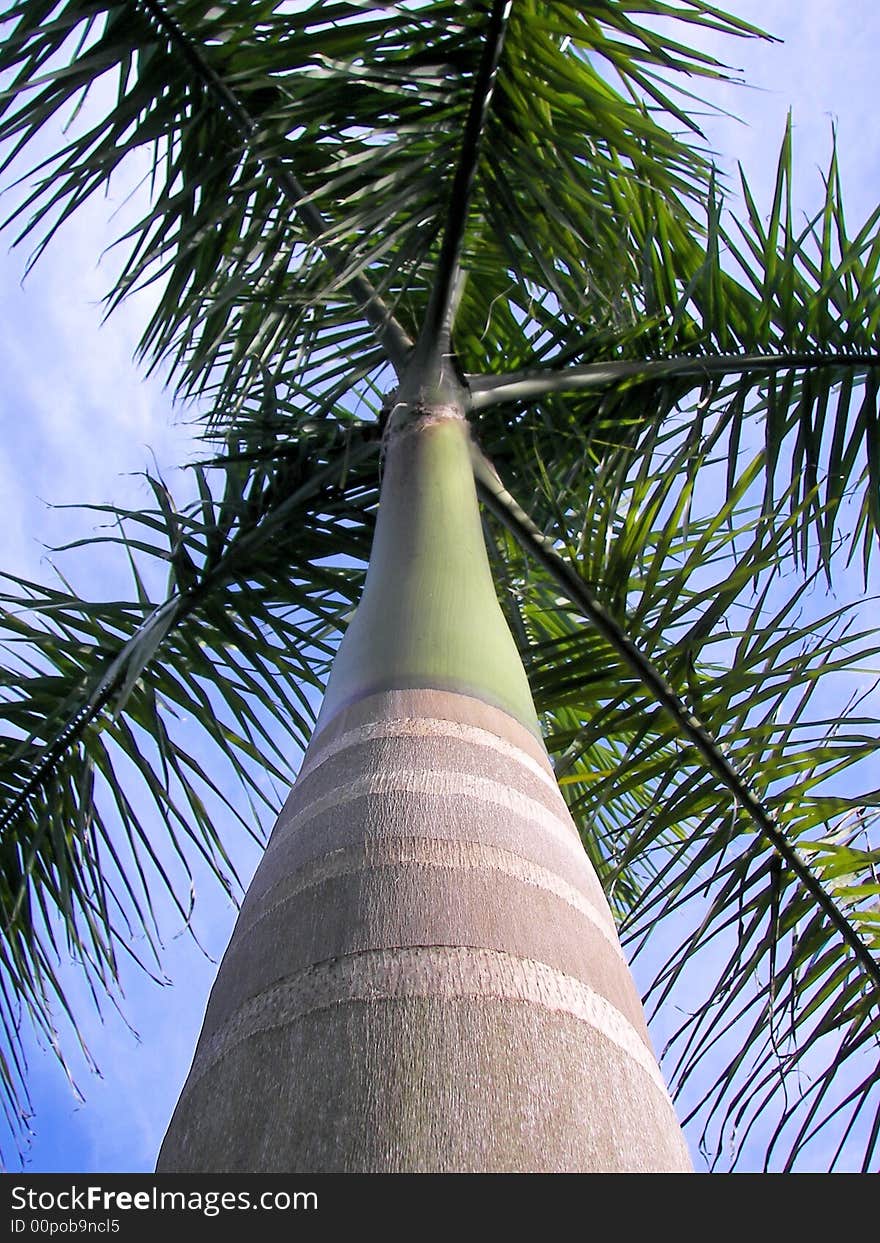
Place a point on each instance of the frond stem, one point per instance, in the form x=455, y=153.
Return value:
x=442, y=305
x=492, y=390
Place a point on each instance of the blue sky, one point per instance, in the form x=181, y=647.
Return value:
x=80, y=420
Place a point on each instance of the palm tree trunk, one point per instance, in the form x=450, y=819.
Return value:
x=425, y=974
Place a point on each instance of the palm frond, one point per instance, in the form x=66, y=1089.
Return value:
x=778, y=326
x=294, y=157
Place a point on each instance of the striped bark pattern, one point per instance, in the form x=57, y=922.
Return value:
x=425, y=974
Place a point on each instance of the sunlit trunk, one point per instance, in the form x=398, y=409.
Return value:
x=425, y=974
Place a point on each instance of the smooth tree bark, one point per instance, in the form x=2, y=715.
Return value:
x=425, y=974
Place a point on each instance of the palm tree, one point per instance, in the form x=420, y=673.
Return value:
x=463, y=246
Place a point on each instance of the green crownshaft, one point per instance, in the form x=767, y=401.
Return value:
x=429, y=616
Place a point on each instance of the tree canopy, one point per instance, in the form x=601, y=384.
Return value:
x=676, y=411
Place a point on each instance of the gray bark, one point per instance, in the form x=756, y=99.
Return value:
x=425, y=974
